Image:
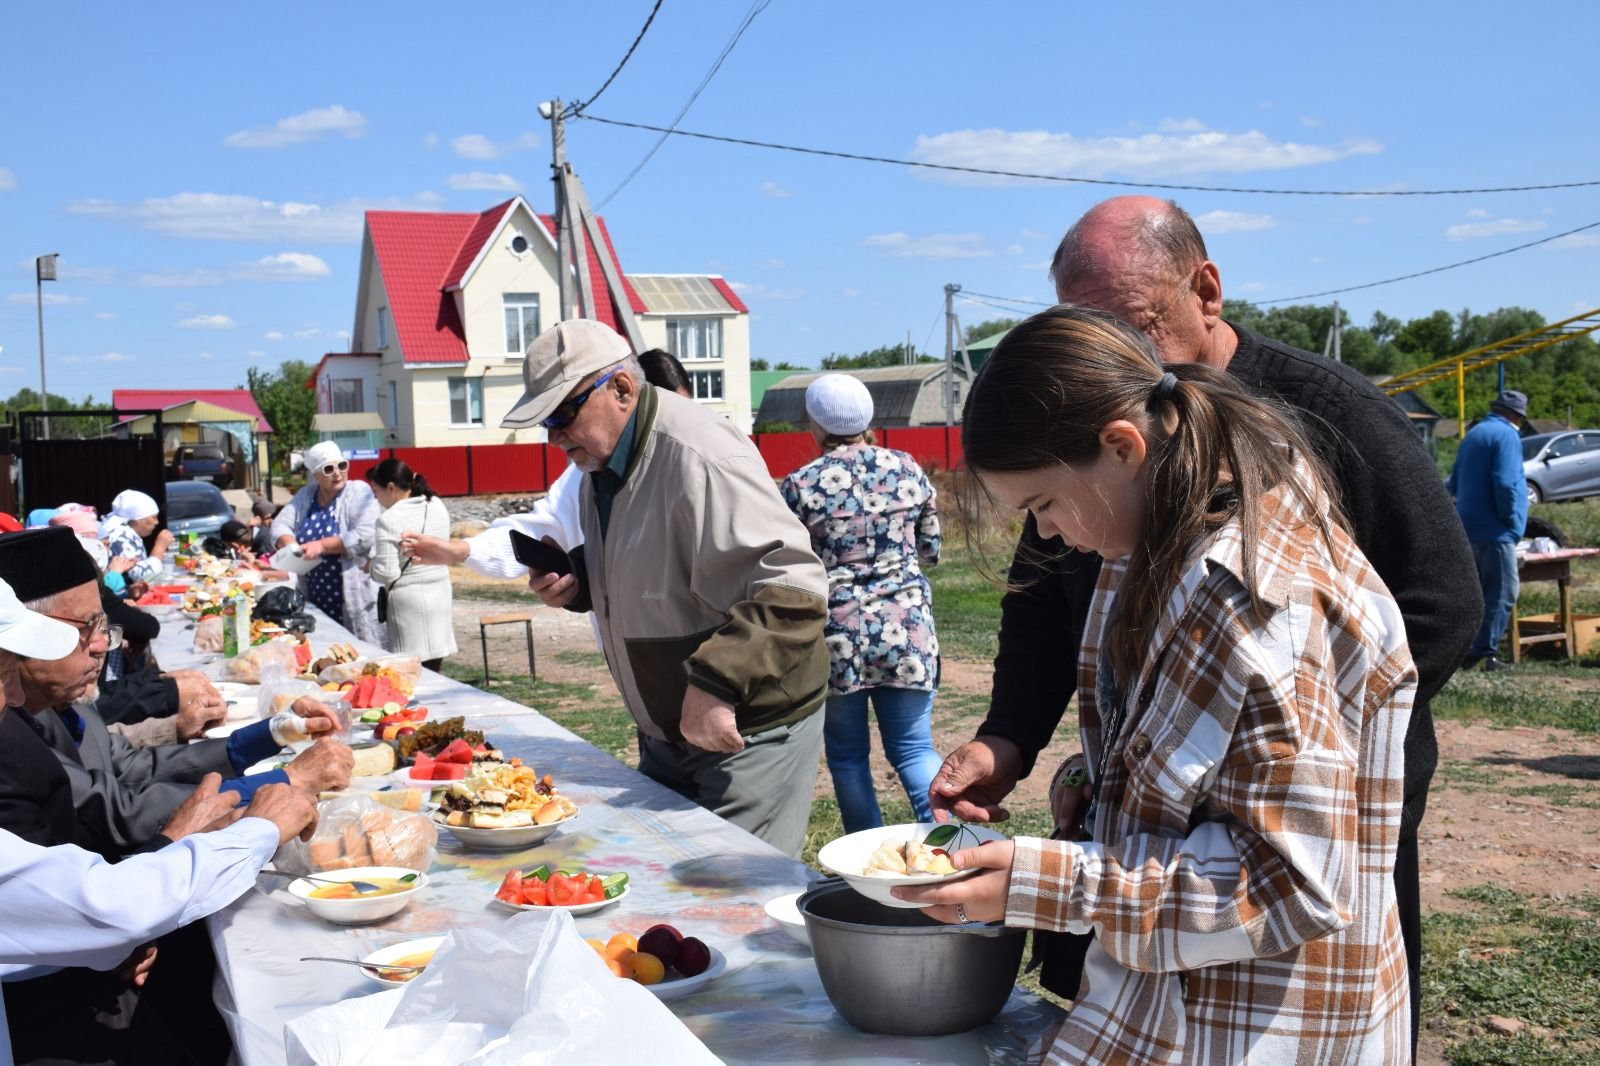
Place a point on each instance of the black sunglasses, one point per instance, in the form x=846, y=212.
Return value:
x=563, y=416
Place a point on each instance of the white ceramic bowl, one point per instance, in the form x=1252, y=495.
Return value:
x=394, y=953
x=501, y=839
x=674, y=987
x=362, y=909
x=848, y=857
x=783, y=911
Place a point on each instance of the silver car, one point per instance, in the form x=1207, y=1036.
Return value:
x=196, y=507
x=1562, y=466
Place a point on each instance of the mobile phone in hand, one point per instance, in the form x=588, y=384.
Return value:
x=537, y=555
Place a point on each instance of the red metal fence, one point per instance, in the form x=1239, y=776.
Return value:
x=476, y=469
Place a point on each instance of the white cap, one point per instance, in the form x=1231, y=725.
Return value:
x=557, y=360
x=840, y=404
x=130, y=505
x=322, y=454
x=25, y=632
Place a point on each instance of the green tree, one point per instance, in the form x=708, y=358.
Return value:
x=26, y=399
x=989, y=328
x=891, y=355
x=785, y=365
x=759, y=364
x=287, y=403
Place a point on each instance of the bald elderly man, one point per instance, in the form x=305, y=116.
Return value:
x=1144, y=260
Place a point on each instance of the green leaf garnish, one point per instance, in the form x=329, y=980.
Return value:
x=942, y=835
x=407, y=879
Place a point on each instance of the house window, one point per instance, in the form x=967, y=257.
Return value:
x=466, y=401
x=706, y=384
x=383, y=328
x=522, y=321
x=695, y=338
x=344, y=396
x=394, y=407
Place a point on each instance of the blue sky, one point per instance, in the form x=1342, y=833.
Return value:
x=202, y=171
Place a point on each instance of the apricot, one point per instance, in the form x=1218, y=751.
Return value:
x=616, y=967
x=596, y=943
x=646, y=968
x=620, y=943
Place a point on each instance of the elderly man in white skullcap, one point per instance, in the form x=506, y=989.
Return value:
x=874, y=523
x=335, y=520
x=134, y=515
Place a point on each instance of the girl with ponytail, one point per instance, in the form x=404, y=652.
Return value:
x=1244, y=689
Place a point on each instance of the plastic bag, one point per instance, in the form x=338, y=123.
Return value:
x=280, y=688
x=248, y=666
x=528, y=992
x=208, y=633
x=279, y=603
x=407, y=669
x=358, y=831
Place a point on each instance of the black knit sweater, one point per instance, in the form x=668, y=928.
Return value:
x=1401, y=515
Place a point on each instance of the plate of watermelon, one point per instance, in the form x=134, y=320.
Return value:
x=576, y=893
x=374, y=691
x=451, y=764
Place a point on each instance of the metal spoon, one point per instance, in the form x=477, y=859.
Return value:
x=359, y=886
x=379, y=966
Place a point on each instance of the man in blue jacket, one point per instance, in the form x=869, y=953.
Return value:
x=1491, y=494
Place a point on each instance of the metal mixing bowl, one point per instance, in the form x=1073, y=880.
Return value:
x=897, y=971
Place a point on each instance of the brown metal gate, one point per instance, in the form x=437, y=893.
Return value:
x=89, y=471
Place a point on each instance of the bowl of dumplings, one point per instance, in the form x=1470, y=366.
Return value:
x=876, y=861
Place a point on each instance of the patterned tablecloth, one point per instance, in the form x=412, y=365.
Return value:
x=685, y=865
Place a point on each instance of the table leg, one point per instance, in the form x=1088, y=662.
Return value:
x=527, y=628
x=1567, y=626
x=483, y=637
x=1516, y=637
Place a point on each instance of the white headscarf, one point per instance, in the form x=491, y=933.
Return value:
x=322, y=454
x=130, y=505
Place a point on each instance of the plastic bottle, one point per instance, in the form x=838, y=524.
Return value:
x=241, y=621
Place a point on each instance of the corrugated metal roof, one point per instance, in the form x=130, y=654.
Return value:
x=894, y=392
x=682, y=294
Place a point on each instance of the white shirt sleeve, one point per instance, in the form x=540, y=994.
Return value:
x=555, y=516
x=72, y=908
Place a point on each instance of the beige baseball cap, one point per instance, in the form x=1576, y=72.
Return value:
x=557, y=360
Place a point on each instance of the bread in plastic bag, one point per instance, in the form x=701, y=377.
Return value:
x=280, y=688
x=405, y=670
x=208, y=633
x=248, y=665
x=358, y=831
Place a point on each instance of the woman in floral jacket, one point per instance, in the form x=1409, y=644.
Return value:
x=873, y=521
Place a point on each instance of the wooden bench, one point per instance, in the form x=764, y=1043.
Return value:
x=484, y=622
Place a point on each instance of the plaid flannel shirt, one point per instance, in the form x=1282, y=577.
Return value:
x=1240, y=871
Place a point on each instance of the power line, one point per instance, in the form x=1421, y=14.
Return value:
x=1433, y=270
x=750, y=16
x=667, y=131
x=575, y=109
x=1007, y=299
x=1000, y=307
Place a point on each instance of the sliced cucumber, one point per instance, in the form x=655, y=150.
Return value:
x=541, y=872
x=614, y=885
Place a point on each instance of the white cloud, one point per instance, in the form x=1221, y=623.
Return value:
x=753, y=291
x=272, y=335
x=485, y=181
x=1180, y=125
x=106, y=316
x=51, y=299
x=1311, y=122
x=932, y=246
x=108, y=357
x=1478, y=212
x=771, y=264
x=1577, y=240
x=342, y=334
x=1170, y=153
x=203, y=355
x=92, y=275
x=307, y=334
x=255, y=354
x=8, y=180
x=11, y=369
x=229, y=217
x=430, y=140
x=1250, y=286
x=207, y=322
x=1463, y=231
x=1215, y=222
x=776, y=191
x=117, y=357
x=1361, y=220
x=1033, y=235
x=1043, y=264
x=313, y=125
x=179, y=279
x=1015, y=249
x=477, y=146
x=285, y=266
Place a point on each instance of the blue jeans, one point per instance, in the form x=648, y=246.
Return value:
x=1497, y=573
x=905, y=723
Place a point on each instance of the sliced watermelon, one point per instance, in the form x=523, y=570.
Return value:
x=422, y=769
x=444, y=771
x=459, y=751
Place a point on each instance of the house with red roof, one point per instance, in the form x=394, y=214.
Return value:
x=448, y=303
x=228, y=418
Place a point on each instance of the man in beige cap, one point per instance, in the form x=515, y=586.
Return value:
x=709, y=598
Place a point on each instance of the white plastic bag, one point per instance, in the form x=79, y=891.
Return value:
x=357, y=831
x=280, y=688
x=528, y=992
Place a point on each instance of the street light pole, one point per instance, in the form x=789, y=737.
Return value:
x=44, y=269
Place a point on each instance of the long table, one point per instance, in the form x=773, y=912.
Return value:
x=686, y=866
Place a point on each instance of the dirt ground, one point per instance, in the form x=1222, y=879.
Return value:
x=1515, y=807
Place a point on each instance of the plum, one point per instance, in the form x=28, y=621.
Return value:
x=663, y=942
x=693, y=957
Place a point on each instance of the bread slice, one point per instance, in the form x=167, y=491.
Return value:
x=501, y=819
x=374, y=760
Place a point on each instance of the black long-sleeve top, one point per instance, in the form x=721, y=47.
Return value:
x=1400, y=513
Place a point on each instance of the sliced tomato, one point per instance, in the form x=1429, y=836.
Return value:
x=596, y=891
x=535, y=892
x=563, y=893
x=511, y=887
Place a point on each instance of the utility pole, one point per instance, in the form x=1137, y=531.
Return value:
x=558, y=164
x=1332, y=346
x=949, y=354
x=44, y=269
x=908, y=356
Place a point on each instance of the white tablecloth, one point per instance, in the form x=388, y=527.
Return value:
x=685, y=865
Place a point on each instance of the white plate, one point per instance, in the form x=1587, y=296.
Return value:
x=395, y=952
x=784, y=911
x=683, y=986
x=502, y=839
x=232, y=690
x=243, y=709
x=849, y=855
x=574, y=909
x=290, y=561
